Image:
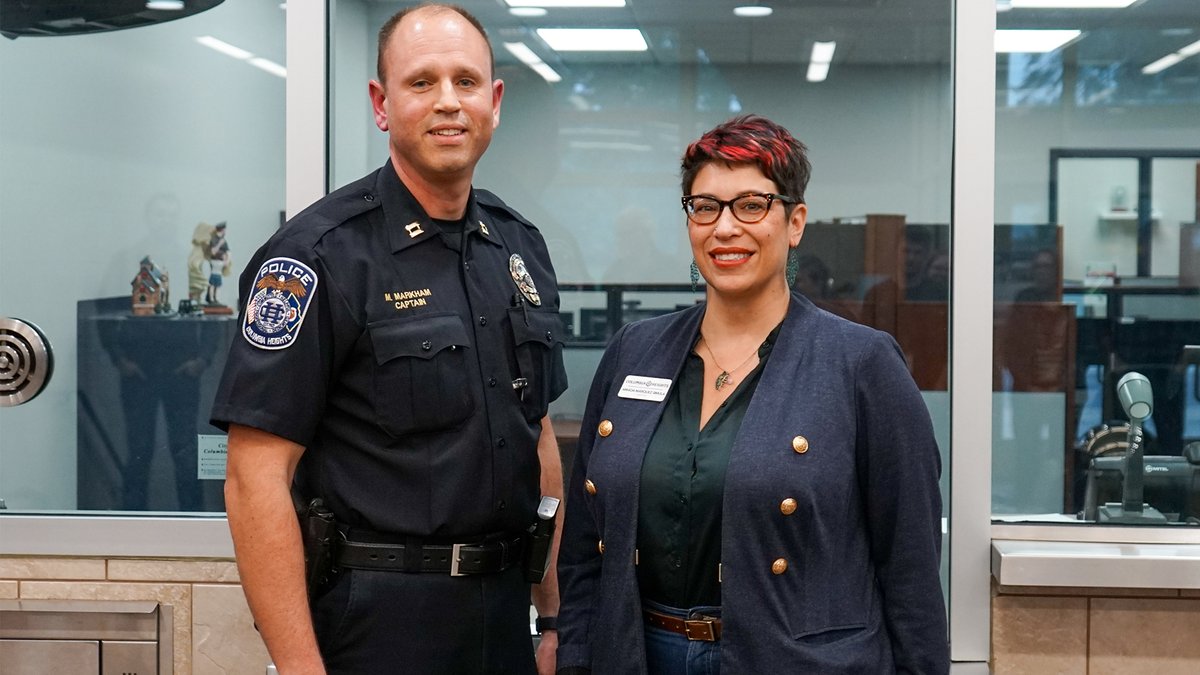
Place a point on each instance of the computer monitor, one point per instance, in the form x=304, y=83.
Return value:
x=1171, y=485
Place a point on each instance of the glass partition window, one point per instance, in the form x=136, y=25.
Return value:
x=1096, y=417
x=589, y=146
x=140, y=170
x=589, y=143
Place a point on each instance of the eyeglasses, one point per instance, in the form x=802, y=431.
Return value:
x=748, y=209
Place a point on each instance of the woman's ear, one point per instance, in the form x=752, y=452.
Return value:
x=796, y=222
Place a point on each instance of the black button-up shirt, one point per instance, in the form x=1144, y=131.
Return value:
x=682, y=486
x=417, y=372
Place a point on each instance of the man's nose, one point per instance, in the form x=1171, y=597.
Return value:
x=447, y=100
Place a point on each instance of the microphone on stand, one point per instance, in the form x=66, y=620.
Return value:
x=1137, y=398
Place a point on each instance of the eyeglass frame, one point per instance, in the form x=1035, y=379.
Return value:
x=722, y=204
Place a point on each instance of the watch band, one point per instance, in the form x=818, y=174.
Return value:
x=545, y=623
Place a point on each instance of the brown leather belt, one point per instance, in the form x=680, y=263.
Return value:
x=706, y=629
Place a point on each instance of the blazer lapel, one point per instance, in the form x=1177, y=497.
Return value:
x=778, y=378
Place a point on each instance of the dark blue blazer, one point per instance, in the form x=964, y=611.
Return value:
x=860, y=592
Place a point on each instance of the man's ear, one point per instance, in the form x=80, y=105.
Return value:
x=497, y=94
x=379, y=104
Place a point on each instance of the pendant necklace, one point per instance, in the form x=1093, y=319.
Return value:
x=726, y=376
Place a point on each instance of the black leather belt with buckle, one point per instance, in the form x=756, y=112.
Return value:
x=456, y=559
x=706, y=629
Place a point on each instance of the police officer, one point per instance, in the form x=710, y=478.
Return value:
x=399, y=347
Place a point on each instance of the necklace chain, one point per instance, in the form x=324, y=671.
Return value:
x=726, y=375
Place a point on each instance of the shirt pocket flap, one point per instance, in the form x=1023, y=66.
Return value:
x=420, y=337
x=541, y=327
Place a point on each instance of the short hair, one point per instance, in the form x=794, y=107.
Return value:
x=389, y=27
x=753, y=140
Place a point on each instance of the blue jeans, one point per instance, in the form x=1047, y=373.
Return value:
x=670, y=653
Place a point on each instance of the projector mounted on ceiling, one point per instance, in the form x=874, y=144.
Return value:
x=37, y=18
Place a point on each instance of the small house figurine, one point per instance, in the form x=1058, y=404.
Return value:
x=151, y=290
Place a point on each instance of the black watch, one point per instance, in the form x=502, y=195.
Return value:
x=545, y=623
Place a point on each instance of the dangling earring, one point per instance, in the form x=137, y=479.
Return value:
x=793, y=267
x=695, y=276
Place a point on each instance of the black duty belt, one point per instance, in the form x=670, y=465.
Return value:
x=706, y=629
x=456, y=559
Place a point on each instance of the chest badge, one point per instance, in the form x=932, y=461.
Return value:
x=520, y=275
x=282, y=292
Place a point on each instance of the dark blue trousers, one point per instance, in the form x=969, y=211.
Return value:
x=399, y=623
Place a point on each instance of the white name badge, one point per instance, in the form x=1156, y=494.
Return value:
x=645, y=388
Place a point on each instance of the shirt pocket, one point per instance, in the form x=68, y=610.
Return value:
x=420, y=379
x=537, y=337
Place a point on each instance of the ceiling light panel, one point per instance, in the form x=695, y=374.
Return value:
x=269, y=66
x=527, y=12
x=1162, y=64
x=1071, y=4
x=1171, y=59
x=1032, y=41
x=594, y=39
x=565, y=3
x=526, y=55
x=224, y=47
x=822, y=52
x=750, y=11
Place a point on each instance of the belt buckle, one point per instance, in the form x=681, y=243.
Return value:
x=699, y=629
x=455, y=559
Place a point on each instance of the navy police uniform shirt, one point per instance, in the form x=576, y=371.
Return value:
x=414, y=367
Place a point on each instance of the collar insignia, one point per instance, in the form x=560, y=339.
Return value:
x=483, y=229
x=414, y=229
x=520, y=275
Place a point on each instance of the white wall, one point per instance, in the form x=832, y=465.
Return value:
x=602, y=183
x=114, y=146
x=1026, y=135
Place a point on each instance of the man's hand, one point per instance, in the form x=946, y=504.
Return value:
x=266, y=540
x=545, y=653
x=545, y=594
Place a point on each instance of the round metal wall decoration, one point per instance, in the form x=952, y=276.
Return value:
x=26, y=361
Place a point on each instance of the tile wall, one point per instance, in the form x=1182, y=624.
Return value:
x=214, y=634
x=1095, y=631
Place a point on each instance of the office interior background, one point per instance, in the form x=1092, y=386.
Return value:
x=1081, y=266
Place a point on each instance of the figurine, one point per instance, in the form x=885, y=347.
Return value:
x=197, y=280
x=151, y=290
x=219, y=264
x=208, y=245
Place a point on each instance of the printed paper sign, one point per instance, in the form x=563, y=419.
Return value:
x=210, y=456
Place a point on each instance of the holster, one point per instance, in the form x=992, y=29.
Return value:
x=539, y=538
x=320, y=534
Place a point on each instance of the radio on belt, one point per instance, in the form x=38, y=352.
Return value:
x=537, y=544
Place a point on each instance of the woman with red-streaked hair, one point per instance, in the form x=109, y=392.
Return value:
x=756, y=485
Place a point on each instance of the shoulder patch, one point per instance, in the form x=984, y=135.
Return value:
x=282, y=291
